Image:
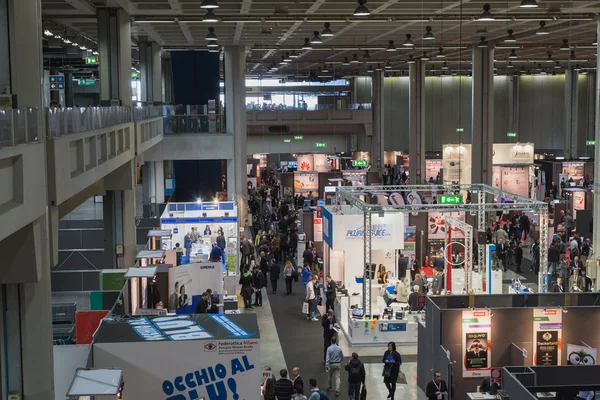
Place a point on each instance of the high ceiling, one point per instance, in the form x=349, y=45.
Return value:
x=270, y=28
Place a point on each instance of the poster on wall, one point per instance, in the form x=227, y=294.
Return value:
x=305, y=162
x=318, y=229
x=187, y=283
x=573, y=170
x=578, y=202
x=581, y=355
x=320, y=162
x=477, y=343
x=516, y=180
x=433, y=170
x=435, y=224
x=547, y=336
x=457, y=163
x=497, y=177
x=305, y=182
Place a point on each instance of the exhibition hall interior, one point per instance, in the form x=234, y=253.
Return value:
x=196, y=193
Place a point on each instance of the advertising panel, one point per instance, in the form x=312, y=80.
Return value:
x=320, y=162
x=497, y=177
x=578, y=202
x=477, y=343
x=573, y=170
x=387, y=232
x=581, y=355
x=512, y=153
x=318, y=229
x=547, y=336
x=433, y=169
x=187, y=283
x=435, y=224
x=305, y=182
x=457, y=163
x=516, y=180
x=305, y=162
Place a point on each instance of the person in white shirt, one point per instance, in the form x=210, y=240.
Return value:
x=333, y=362
x=311, y=298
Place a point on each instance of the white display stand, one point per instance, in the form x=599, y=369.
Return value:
x=494, y=272
x=203, y=356
x=179, y=218
x=193, y=279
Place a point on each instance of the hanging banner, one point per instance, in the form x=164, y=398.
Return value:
x=547, y=336
x=578, y=202
x=477, y=343
x=581, y=355
x=318, y=229
x=512, y=153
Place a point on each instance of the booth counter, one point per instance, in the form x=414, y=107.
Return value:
x=361, y=331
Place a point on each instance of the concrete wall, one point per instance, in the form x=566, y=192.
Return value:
x=273, y=144
x=192, y=147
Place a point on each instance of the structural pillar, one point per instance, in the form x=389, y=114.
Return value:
x=377, y=140
x=416, y=140
x=235, y=99
x=571, y=93
x=482, y=99
x=596, y=220
x=114, y=48
x=69, y=89
x=157, y=96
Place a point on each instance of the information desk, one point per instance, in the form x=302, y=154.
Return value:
x=362, y=332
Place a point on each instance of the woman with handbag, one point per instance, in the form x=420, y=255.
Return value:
x=391, y=368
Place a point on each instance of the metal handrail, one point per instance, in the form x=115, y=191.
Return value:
x=20, y=126
x=70, y=120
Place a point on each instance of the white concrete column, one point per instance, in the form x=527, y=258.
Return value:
x=26, y=61
x=159, y=179
x=377, y=142
x=596, y=226
x=114, y=48
x=145, y=71
x=571, y=93
x=482, y=134
x=129, y=227
x=157, y=97
x=416, y=140
x=235, y=108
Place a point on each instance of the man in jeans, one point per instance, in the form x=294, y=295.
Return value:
x=333, y=362
x=356, y=376
x=311, y=298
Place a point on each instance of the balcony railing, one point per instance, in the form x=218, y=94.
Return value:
x=67, y=121
x=149, y=112
x=20, y=126
x=198, y=123
x=317, y=107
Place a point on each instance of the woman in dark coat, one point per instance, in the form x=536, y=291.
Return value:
x=392, y=361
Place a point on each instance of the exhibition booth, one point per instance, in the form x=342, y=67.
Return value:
x=207, y=219
x=469, y=338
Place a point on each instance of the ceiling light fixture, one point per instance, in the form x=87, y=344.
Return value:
x=428, y=34
x=95, y=53
x=542, y=30
x=83, y=47
x=327, y=32
x=440, y=53
x=513, y=54
x=283, y=62
x=424, y=57
x=316, y=39
x=212, y=43
x=378, y=67
x=549, y=59
x=209, y=4
x=391, y=47
x=510, y=38
x=307, y=45
x=557, y=65
x=325, y=69
x=294, y=54
x=565, y=45
x=388, y=65
x=483, y=44
x=572, y=56
x=577, y=68
x=554, y=74
x=362, y=10
x=210, y=16
x=509, y=65
x=445, y=65
x=346, y=62
x=211, y=34
x=370, y=69
x=595, y=42
x=528, y=4
x=48, y=33
x=67, y=41
x=367, y=55
x=213, y=49
x=408, y=42
x=486, y=15
x=287, y=58
x=410, y=60
x=354, y=59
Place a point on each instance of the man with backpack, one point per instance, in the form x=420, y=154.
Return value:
x=315, y=393
x=356, y=376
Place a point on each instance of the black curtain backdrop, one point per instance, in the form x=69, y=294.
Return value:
x=195, y=77
x=196, y=179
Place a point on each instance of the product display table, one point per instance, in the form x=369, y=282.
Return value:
x=479, y=396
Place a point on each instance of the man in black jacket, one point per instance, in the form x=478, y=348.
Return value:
x=274, y=275
x=328, y=322
x=202, y=305
x=284, y=388
x=246, y=290
x=402, y=266
x=331, y=293
x=307, y=256
x=356, y=376
x=437, y=388
x=259, y=283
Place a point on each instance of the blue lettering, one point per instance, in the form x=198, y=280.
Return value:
x=168, y=388
x=202, y=377
x=178, y=382
x=193, y=395
x=217, y=391
x=211, y=372
x=247, y=364
x=236, y=366
x=221, y=371
x=189, y=380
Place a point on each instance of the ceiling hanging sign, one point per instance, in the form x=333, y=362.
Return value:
x=413, y=198
x=396, y=199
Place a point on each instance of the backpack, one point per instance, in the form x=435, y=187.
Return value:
x=323, y=395
x=354, y=373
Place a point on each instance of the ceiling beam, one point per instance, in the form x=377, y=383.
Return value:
x=152, y=34
x=82, y=5
x=185, y=29
x=127, y=6
x=239, y=26
x=175, y=5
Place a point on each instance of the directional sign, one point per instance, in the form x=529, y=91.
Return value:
x=320, y=144
x=57, y=82
x=86, y=82
x=511, y=134
x=359, y=163
x=591, y=142
x=91, y=60
x=451, y=199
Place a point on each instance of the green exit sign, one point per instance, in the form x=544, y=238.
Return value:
x=135, y=75
x=460, y=129
x=451, y=199
x=320, y=144
x=86, y=82
x=359, y=163
x=591, y=142
x=298, y=137
x=287, y=140
x=91, y=60
x=511, y=134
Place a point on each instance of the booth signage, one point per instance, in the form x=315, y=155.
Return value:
x=360, y=163
x=547, y=336
x=450, y=199
x=378, y=231
x=581, y=355
x=86, y=82
x=477, y=343
x=180, y=327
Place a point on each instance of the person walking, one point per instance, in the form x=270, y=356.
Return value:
x=333, y=363
x=356, y=376
x=437, y=388
x=284, y=388
x=315, y=393
x=275, y=272
x=187, y=245
x=328, y=322
x=246, y=250
x=330, y=292
x=259, y=283
x=311, y=299
x=178, y=254
x=414, y=267
x=296, y=378
x=289, y=277
x=391, y=368
x=246, y=290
